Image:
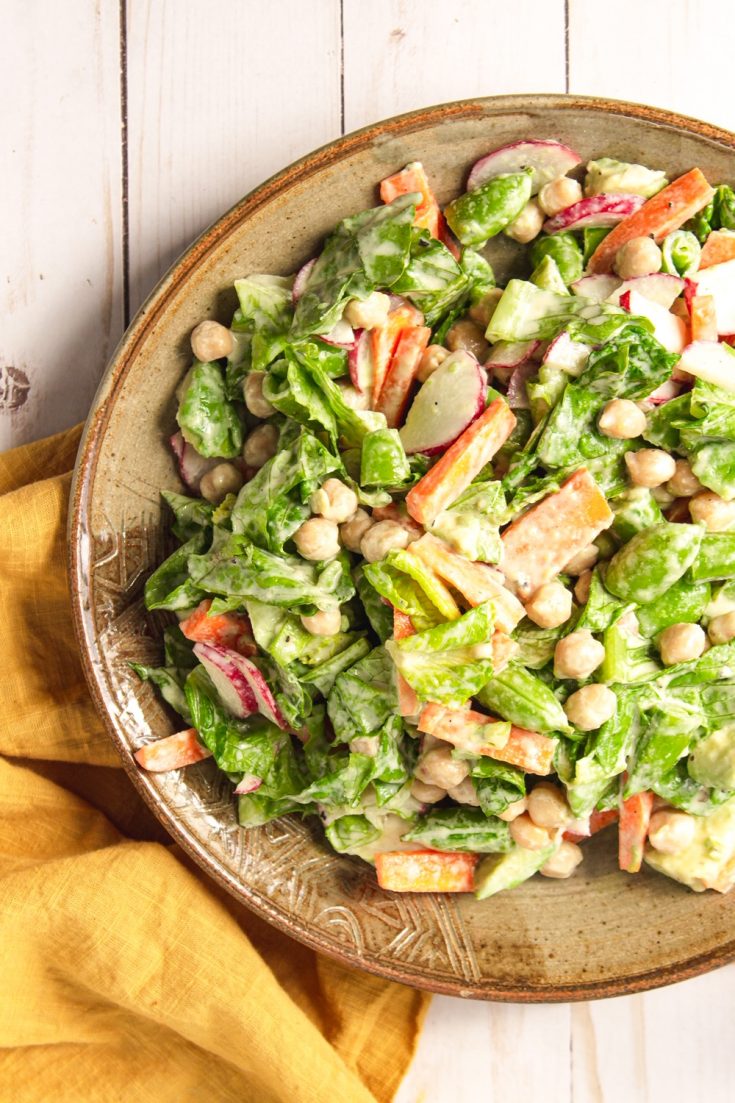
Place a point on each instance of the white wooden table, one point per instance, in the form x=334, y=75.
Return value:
x=126, y=128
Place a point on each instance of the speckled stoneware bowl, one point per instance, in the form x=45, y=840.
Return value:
x=601, y=933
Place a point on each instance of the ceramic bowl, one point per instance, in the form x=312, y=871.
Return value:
x=600, y=933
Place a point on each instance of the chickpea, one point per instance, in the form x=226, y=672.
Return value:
x=583, y=560
x=527, y=225
x=638, y=257
x=368, y=313
x=260, y=445
x=683, y=483
x=399, y=514
x=437, y=767
x=431, y=358
x=670, y=832
x=559, y=194
x=355, y=399
x=324, y=623
x=662, y=496
x=650, y=467
x=317, y=539
x=591, y=706
x=465, y=793
x=550, y=605
x=253, y=393
x=334, y=500
x=582, y=587
x=469, y=337
x=547, y=806
x=382, y=538
x=483, y=310
x=365, y=744
x=211, y=341
x=563, y=862
x=622, y=419
x=515, y=809
x=427, y=794
x=222, y=480
x=722, y=629
x=354, y=528
x=680, y=643
x=525, y=833
x=577, y=655
x=714, y=512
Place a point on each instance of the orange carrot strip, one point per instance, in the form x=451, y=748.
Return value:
x=476, y=582
x=414, y=179
x=541, y=542
x=225, y=629
x=664, y=212
x=635, y=815
x=408, y=702
x=459, y=465
x=425, y=871
x=531, y=751
x=704, y=317
x=396, y=389
x=384, y=340
x=173, y=752
x=719, y=247
x=598, y=821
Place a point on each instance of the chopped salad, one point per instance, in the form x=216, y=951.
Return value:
x=455, y=565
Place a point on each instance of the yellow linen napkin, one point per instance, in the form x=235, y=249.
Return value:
x=127, y=974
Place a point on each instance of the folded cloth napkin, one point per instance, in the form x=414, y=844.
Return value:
x=127, y=974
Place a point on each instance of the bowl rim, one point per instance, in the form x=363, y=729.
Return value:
x=93, y=434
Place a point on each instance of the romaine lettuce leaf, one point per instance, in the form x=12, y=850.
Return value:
x=265, y=312
x=363, y=697
x=432, y=279
x=461, y=829
x=207, y=419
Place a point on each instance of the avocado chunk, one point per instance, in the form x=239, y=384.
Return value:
x=506, y=871
x=709, y=860
x=712, y=760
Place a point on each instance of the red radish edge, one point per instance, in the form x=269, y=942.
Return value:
x=547, y=158
x=341, y=335
x=301, y=279
x=517, y=395
x=360, y=362
x=192, y=466
x=439, y=414
x=244, y=678
x=248, y=785
x=594, y=210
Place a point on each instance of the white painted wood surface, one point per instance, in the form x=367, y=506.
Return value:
x=127, y=128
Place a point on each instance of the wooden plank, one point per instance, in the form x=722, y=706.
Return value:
x=673, y=1043
x=217, y=102
x=405, y=55
x=60, y=211
x=472, y=1051
x=649, y=54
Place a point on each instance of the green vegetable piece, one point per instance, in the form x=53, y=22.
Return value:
x=497, y=784
x=683, y=603
x=479, y=273
x=526, y=312
x=498, y=872
x=433, y=280
x=681, y=252
x=323, y=676
x=521, y=697
x=191, y=514
x=605, y=174
x=383, y=461
x=206, y=417
x=723, y=208
x=265, y=314
x=170, y=587
x=564, y=250
x=652, y=561
x=714, y=465
x=461, y=829
x=712, y=759
x=591, y=238
x=716, y=559
x=350, y=832
x=166, y=680
x=635, y=511
x=481, y=214
x=627, y=660
x=546, y=274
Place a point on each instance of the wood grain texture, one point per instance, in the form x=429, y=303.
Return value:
x=217, y=102
x=60, y=211
x=667, y=62
x=405, y=55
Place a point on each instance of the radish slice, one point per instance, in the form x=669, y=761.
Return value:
x=239, y=683
x=667, y=328
x=594, y=210
x=597, y=289
x=659, y=288
x=301, y=279
x=712, y=361
x=672, y=388
x=341, y=335
x=511, y=354
x=547, y=158
x=192, y=466
x=567, y=355
x=248, y=785
x=361, y=362
x=448, y=402
x=718, y=281
x=517, y=395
